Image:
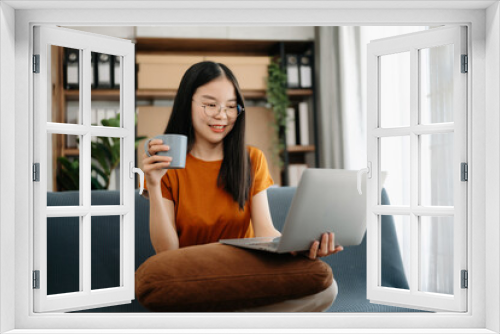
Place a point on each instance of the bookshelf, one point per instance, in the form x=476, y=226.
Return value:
x=298, y=155
x=305, y=154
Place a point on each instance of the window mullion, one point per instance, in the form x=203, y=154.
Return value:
x=85, y=158
x=419, y=211
x=460, y=155
x=414, y=170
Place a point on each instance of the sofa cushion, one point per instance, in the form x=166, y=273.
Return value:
x=216, y=277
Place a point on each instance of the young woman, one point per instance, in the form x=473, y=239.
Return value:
x=221, y=192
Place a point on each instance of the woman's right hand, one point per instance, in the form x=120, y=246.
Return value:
x=154, y=165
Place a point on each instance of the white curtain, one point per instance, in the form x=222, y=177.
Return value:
x=341, y=81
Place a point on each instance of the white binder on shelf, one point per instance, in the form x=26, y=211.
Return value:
x=305, y=72
x=101, y=114
x=291, y=139
x=72, y=117
x=104, y=71
x=93, y=117
x=304, y=123
x=292, y=71
x=110, y=113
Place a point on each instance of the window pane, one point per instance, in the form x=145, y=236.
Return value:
x=395, y=90
x=105, y=96
x=63, y=255
x=395, y=161
x=395, y=241
x=63, y=170
x=436, y=254
x=105, y=252
x=64, y=85
x=436, y=84
x=436, y=153
x=105, y=175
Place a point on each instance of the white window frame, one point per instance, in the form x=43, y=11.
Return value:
x=411, y=44
x=86, y=43
x=483, y=125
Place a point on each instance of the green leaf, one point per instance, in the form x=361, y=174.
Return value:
x=99, y=171
x=68, y=176
x=114, y=122
x=105, y=176
x=99, y=154
x=64, y=162
x=95, y=185
x=104, y=144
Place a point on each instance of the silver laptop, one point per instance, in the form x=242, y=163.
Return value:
x=326, y=200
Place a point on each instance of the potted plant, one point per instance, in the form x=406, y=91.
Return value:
x=277, y=98
x=105, y=154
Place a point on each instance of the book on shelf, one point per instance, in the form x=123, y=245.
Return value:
x=72, y=117
x=291, y=139
x=100, y=115
x=292, y=71
x=103, y=71
x=304, y=124
x=93, y=117
x=305, y=71
x=295, y=173
x=70, y=68
x=110, y=113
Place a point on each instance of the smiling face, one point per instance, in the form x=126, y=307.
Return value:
x=213, y=129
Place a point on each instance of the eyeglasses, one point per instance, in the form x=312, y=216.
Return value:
x=212, y=109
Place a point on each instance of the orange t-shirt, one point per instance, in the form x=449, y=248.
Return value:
x=205, y=213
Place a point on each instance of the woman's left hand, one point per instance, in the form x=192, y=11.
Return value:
x=327, y=247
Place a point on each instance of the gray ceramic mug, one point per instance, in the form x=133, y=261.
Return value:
x=178, y=149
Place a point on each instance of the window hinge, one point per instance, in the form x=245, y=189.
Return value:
x=465, y=64
x=36, y=279
x=36, y=63
x=36, y=172
x=465, y=171
x=465, y=279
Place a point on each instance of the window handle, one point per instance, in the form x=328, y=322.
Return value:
x=139, y=171
x=367, y=170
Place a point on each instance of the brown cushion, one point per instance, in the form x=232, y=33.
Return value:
x=216, y=277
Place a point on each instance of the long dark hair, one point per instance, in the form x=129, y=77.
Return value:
x=234, y=175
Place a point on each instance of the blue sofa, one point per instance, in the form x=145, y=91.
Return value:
x=349, y=266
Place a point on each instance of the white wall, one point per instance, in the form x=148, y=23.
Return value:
x=120, y=32
x=255, y=33
x=492, y=160
x=7, y=159
x=223, y=32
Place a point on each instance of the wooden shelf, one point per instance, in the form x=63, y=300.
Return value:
x=97, y=94
x=301, y=148
x=155, y=93
x=170, y=94
x=216, y=46
x=70, y=151
x=151, y=94
x=299, y=92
